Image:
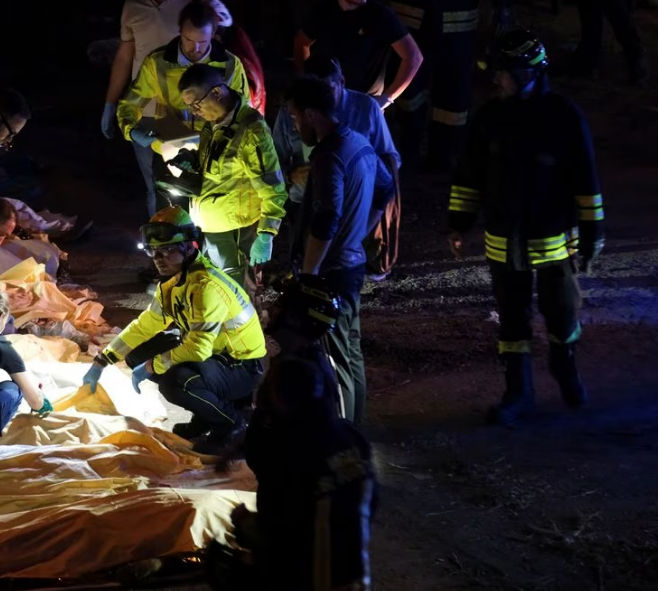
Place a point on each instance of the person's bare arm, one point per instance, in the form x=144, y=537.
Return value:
x=29, y=389
x=410, y=60
x=314, y=254
x=301, y=50
x=121, y=71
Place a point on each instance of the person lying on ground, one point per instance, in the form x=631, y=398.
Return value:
x=41, y=250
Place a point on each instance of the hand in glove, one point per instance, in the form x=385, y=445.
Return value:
x=45, y=409
x=141, y=373
x=142, y=137
x=261, y=249
x=92, y=376
x=186, y=160
x=107, y=121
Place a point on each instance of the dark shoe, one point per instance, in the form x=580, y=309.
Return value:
x=509, y=414
x=218, y=440
x=519, y=398
x=562, y=365
x=195, y=428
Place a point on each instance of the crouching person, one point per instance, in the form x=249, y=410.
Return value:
x=16, y=382
x=215, y=366
x=316, y=482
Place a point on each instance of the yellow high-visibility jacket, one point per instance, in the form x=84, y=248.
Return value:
x=242, y=179
x=158, y=79
x=212, y=312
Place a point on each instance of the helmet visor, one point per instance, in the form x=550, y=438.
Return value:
x=161, y=233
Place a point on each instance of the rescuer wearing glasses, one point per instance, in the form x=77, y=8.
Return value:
x=216, y=365
x=240, y=205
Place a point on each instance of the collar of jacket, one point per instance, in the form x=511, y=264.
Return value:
x=217, y=51
x=236, y=115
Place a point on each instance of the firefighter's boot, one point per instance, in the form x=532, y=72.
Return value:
x=519, y=398
x=562, y=365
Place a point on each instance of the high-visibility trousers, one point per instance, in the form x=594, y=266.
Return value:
x=453, y=24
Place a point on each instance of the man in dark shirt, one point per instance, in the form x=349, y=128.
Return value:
x=347, y=190
x=360, y=34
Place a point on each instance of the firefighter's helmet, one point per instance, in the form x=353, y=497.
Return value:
x=519, y=50
x=306, y=306
x=169, y=226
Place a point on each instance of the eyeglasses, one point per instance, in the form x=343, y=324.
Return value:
x=196, y=105
x=165, y=251
x=11, y=134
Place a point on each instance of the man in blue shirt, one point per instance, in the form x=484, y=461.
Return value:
x=348, y=189
x=362, y=114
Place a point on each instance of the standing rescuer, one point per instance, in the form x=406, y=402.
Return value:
x=240, y=205
x=216, y=366
x=529, y=163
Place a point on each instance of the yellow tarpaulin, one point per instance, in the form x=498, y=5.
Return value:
x=97, y=483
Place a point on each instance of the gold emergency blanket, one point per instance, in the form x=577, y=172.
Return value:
x=86, y=488
x=33, y=296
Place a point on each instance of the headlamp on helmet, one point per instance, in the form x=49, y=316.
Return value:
x=170, y=225
x=518, y=50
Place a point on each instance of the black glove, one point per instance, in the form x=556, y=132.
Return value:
x=186, y=160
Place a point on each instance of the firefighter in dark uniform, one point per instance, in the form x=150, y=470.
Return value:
x=445, y=31
x=529, y=163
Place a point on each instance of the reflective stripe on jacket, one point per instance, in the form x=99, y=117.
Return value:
x=212, y=312
x=530, y=164
x=158, y=79
x=242, y=179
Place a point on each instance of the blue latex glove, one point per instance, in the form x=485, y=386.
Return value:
x=108, y=119
x=142, y=137
x=261, y=249
x=92, y=376
x=140, y=373
x=47, y=408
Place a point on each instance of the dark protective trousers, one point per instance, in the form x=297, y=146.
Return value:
x=10, y=399
x=619, y=13
x=408, y=118
x=211, y=389
x=344, y=342
x=452, y=53
x=558, y=301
